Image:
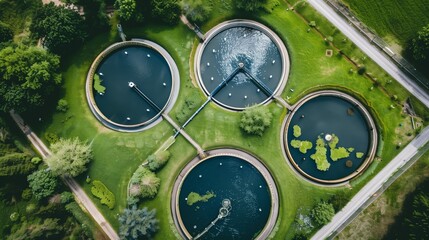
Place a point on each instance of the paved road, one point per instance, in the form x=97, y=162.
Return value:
x=372, y=51
x=78, y=192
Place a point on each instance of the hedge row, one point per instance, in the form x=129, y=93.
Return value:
x=106, y=197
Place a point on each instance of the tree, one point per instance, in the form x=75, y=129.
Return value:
x=128, y=10
x=322, y=213
x=62, y=105
x=60, y=29
x=16, y=164
x=420, y=45
x=28, y=77
x=255, y=120
x=197, y=10
x=42, y=183
x=144, y=183
x=69, y=157
x=137, y=223
x=95, y=17
x=167, y=11
x=37, y=229
x=249, y=5
x=6, y=33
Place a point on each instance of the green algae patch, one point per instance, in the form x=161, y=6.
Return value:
x=320, y=156
x=303, y=146
x=296, y=131
x=333, y=143
x=359, y=154
x=97, y=84
x=194, y=197
x=339, y=153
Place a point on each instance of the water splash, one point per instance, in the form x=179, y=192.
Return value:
x=250, y=46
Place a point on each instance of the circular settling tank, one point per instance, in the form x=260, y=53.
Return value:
x=225, y=196
x=330, y=137
x=241, y=63
x=130, y=84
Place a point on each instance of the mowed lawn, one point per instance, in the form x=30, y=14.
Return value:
x=117, y=154
x=400, y=19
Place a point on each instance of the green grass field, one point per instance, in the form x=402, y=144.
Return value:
x=117, y=155
x=393, y=19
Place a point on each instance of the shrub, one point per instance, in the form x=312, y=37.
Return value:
x=255, y=120
x=30, y=208
x=156, y=161
x=51, y=137
x=322, y=213
x=36, y=160
x=361, y=70
x=14, y=216
x=66, y=197
x=144, y=183
x=192, y=101
x=106, y=197
x=63, y=105
x=312, y=24
x=26, y=194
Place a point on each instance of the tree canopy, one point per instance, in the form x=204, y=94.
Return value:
x=167, y=11
x=420, y=45
x=42, y=183
x=28, y=76
x=16, y=164
x=137, y=223
x=322, y=213
x=255, y=120
x=69, y=157
x=95, y=16
x=6, y=33
x=60, y=28
x=249, y=5
x=128, y=10
x=196, y=10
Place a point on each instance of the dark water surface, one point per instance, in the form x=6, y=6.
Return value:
x=330, y=115
x=246, y=45
x=149, y=73
x=230, y=178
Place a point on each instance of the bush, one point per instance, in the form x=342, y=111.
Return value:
x=66, y=197
x=26, y=194
x=36, y=160
x=63, y=105
x=255, y=120
x=106, y=197
x=361, y=70
x=192, y=101
x=51, y=137
x=30, y=208
x=322, y=213
x=144, y=183
x=14, y=216
x=156, y=161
